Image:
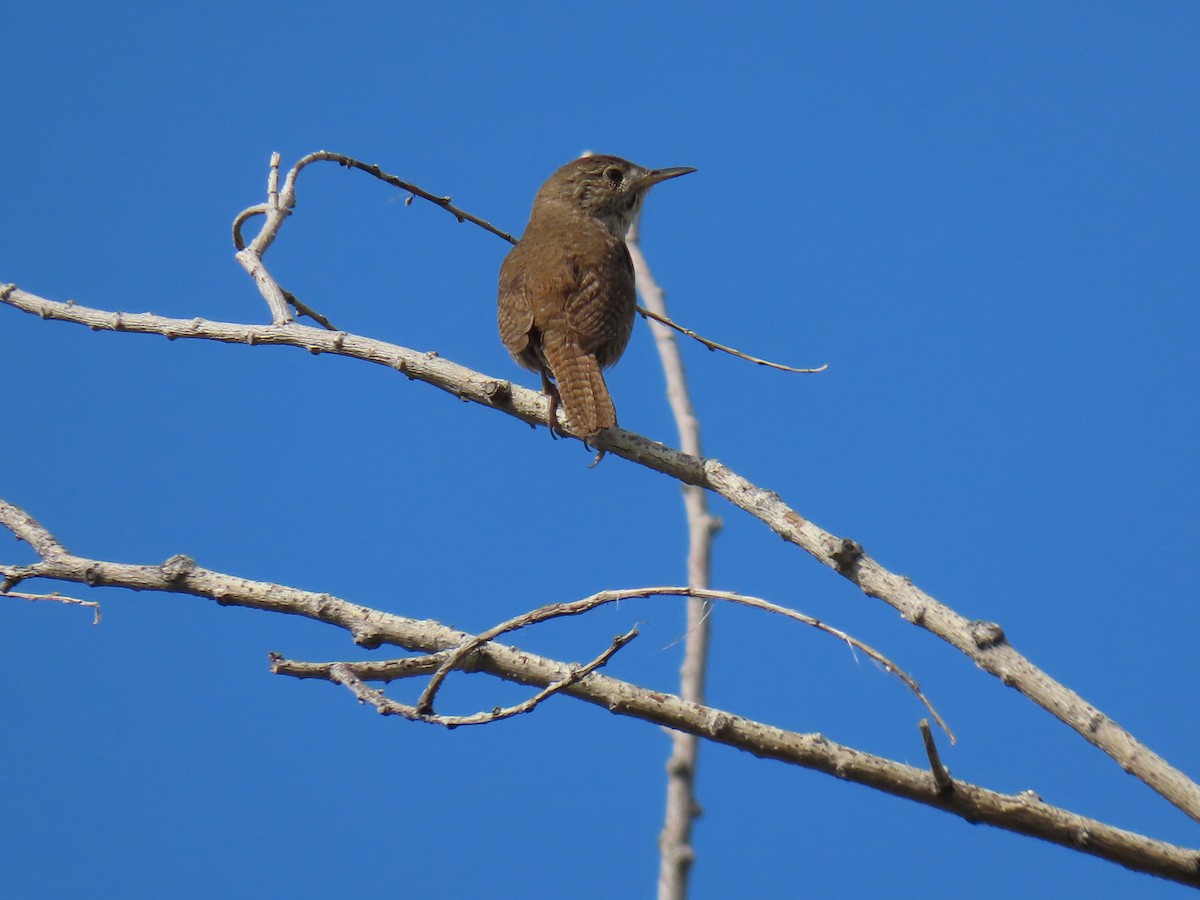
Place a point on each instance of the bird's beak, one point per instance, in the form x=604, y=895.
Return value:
x=654, y=176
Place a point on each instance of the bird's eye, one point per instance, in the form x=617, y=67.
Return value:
x=614, y=175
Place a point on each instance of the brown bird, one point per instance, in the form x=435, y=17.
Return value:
x=567, y=298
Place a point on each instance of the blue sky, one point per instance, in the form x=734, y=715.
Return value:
x=981, y=216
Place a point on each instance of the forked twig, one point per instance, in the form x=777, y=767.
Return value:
x=281, y=202
x=348, y=674
x=287, y=197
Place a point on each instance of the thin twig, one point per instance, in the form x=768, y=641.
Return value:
x=941, y=775
x=259, y=209
x=304, y=310
x=57, y=598
x=578, y=607
x=288, y=195
x=385, y=670
x=713, y=345
x=273, y=182
x=348, y=674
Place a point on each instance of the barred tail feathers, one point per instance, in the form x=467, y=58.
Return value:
x=585, y=396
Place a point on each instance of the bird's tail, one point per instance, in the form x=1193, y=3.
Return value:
x=585, y=396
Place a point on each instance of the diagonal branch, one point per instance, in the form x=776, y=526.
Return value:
x=288, y=195
x=661, y=319
x=1021, y=813
x=983, y=642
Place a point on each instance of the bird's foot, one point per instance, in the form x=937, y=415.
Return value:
x=551, y=392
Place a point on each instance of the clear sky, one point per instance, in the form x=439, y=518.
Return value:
x=982, y=216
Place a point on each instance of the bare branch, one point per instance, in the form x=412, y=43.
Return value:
x=497, y=393
x=267, y=286
x=983, y=642
x=675, y=839
x=251, y=258
x=24, y=526
x=1020, y=813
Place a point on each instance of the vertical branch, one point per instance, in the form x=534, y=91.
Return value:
x=675, y=840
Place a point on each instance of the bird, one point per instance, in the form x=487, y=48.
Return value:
x=566, y=298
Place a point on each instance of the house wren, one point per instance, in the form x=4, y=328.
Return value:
x=567, y=299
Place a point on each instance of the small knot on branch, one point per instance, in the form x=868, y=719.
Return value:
x=177, y=567
x=499, y=393
x=846, y=555
x=987, y=634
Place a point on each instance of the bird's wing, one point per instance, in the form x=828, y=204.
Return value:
x=601, y=306
x=516, y=312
